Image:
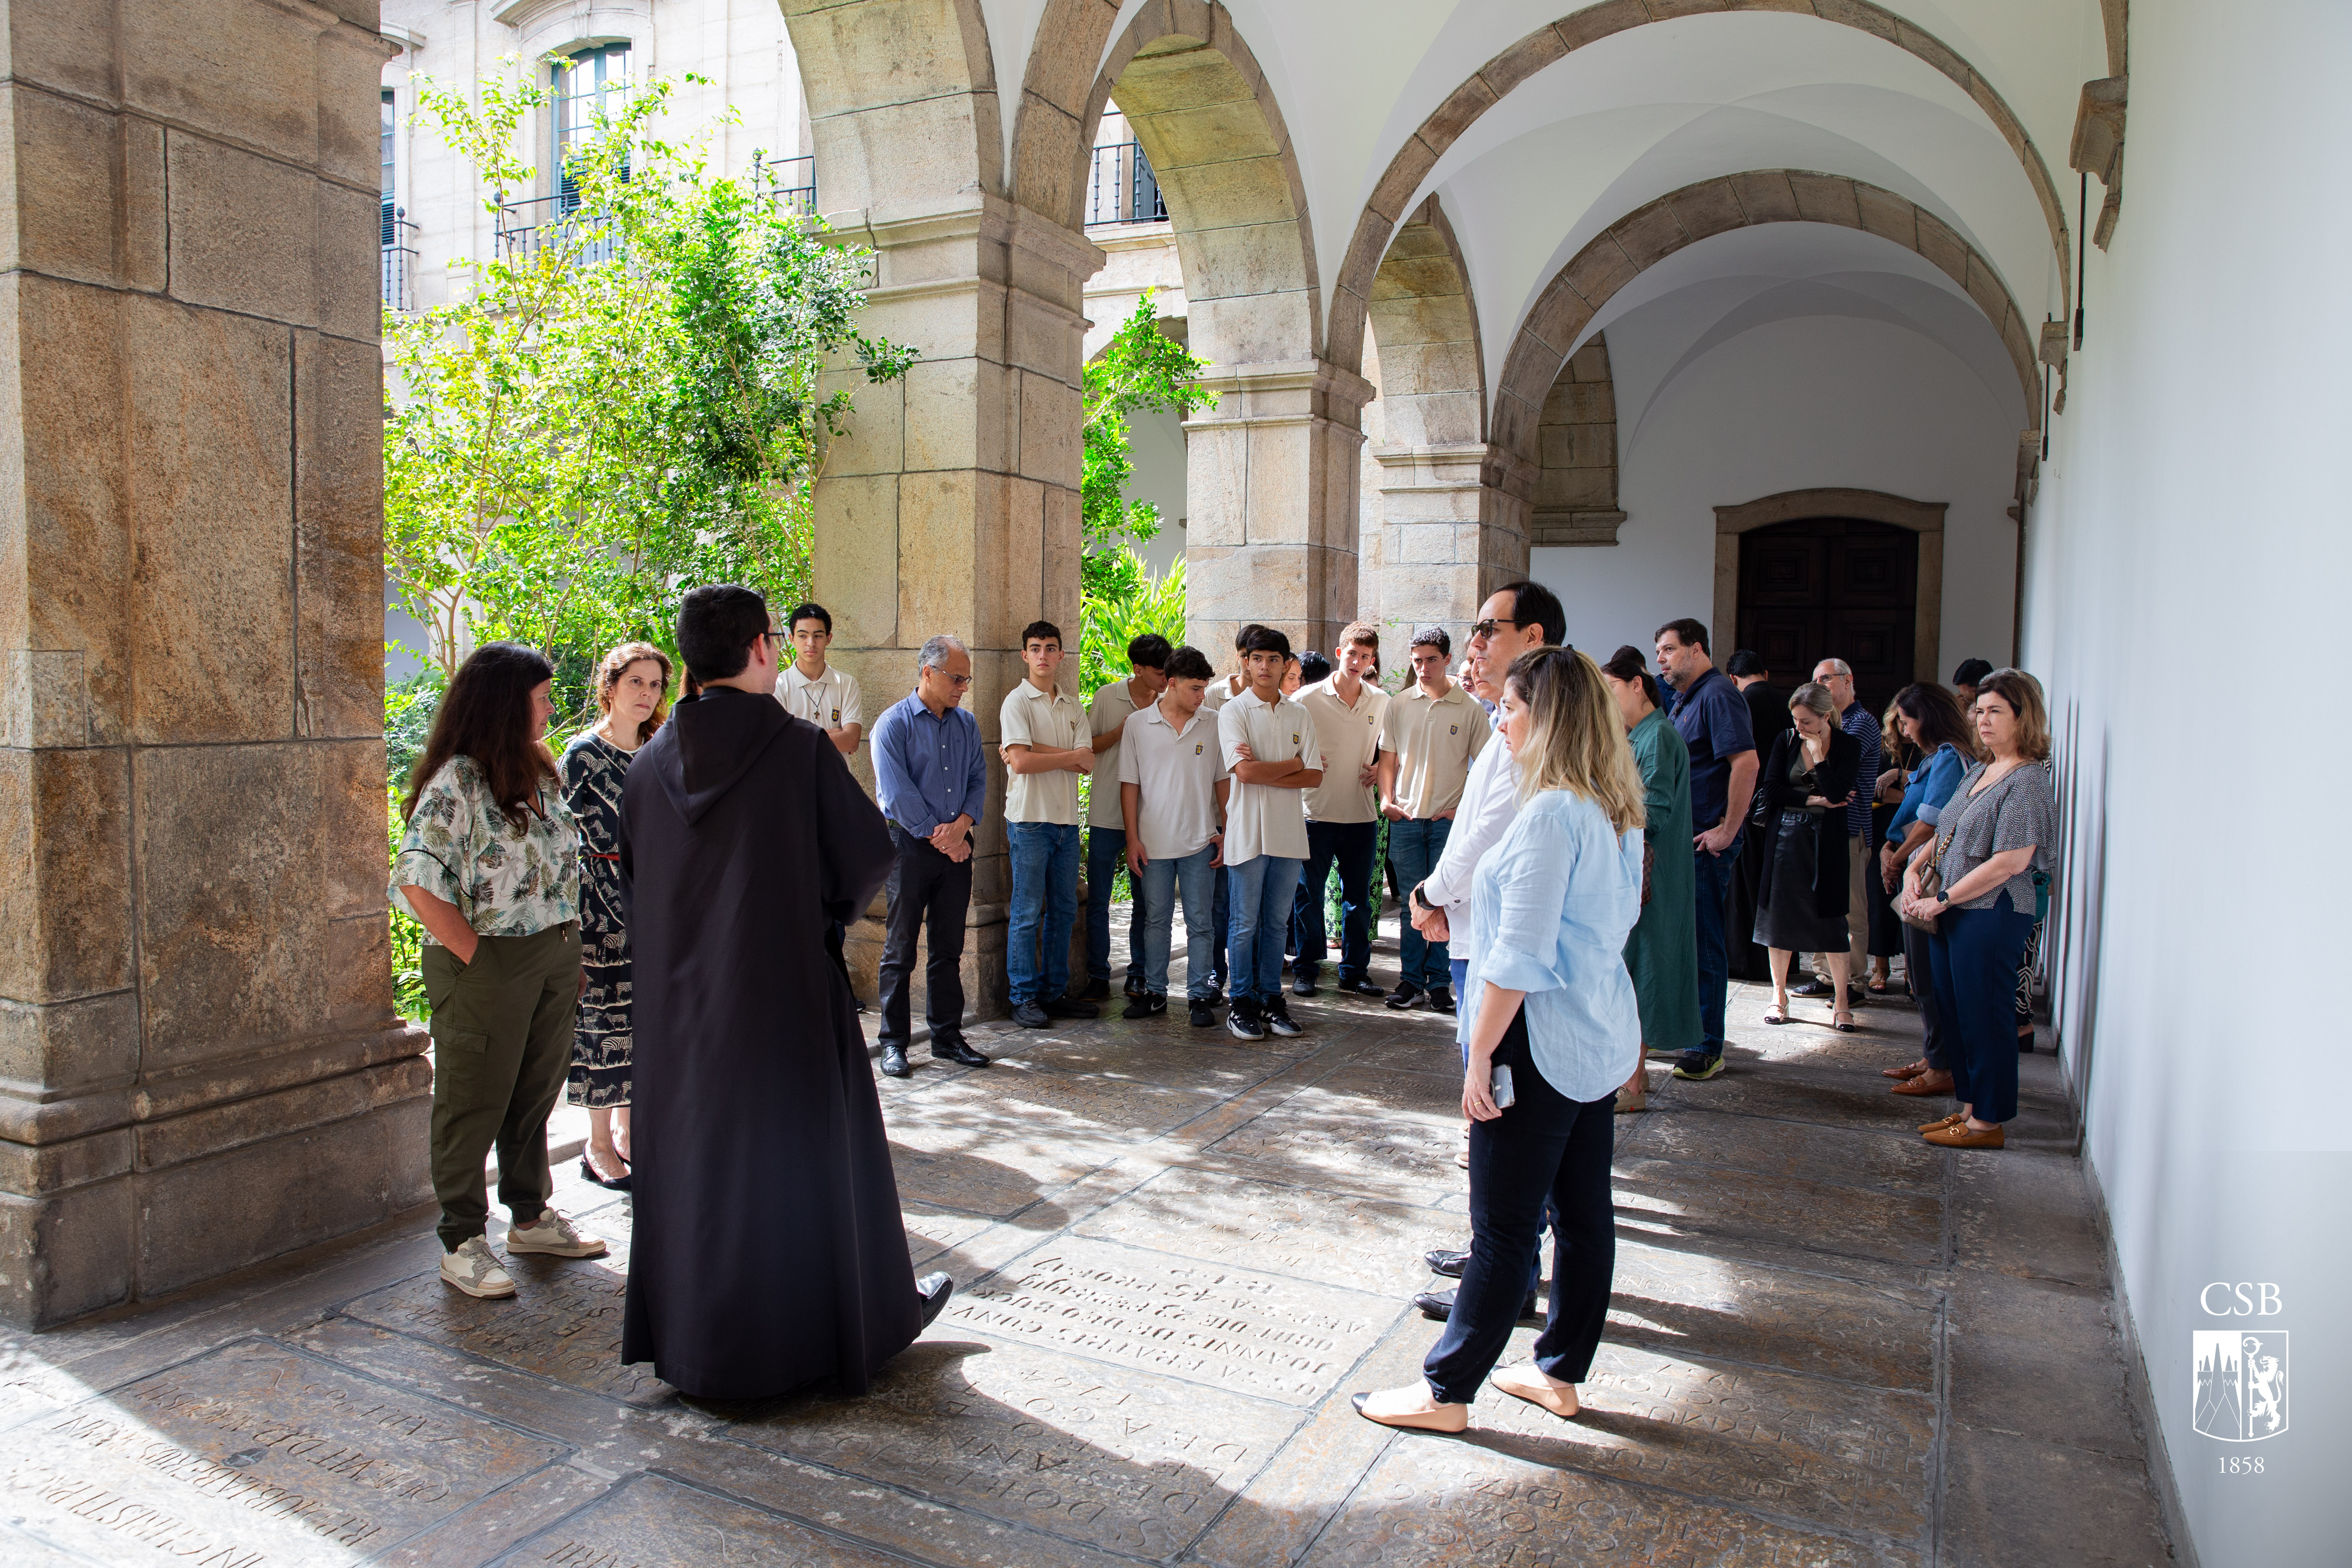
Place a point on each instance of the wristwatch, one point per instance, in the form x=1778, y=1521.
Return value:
x=1943, y=895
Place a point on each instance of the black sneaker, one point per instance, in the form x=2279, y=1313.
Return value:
x=1070, y=1007
x=1813, y=988
x=1202, y=1018
x=1360, y=988
x=1404, y=996
x=1135, y=986
x=1441, y=999
x=1243, y=1024
x=1279, y=1019
x=1698, y=1066
x=1145, y=1007
x=1030, y=1016
x=1093, y=991
x=1304, y=985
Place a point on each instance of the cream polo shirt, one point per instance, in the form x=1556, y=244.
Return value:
x=1221, y=691
x=1107, y=714
x=828, y=702
x=1175, y=774
x=1050, y=721
x=1265, y=819
x=1350, y=738
x=1435, y=739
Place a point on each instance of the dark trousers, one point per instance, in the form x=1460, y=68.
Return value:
x=1106, y=853
x=1221, y=915
x=1975, y=957
x=1544, y=1147
x=1714, y=873
x=1919, y=960
x=1348, y=845
x=930, y=895
x=501, y=1047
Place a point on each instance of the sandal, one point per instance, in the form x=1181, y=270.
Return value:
x=1776, y=1012
x=1843, y=1022
x=1911, y=1070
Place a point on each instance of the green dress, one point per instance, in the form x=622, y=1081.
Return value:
x=1662, y=953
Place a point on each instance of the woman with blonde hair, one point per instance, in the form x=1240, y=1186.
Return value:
x=632, y=696
x=1800, y=799
x=1551, y=1028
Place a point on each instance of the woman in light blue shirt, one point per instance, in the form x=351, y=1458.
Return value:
x=1547, y=995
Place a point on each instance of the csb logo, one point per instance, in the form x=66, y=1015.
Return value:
x=2240, y=1376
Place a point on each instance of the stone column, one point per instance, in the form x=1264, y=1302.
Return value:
x=200, y=1066
x=953, y=504
x=1270, y=480
x=1452, y=529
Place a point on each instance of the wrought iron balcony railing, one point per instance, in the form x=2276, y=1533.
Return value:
x=1123, y=188
x=399, y=261
x=528, y=226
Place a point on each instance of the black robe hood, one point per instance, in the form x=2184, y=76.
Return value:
x=715, y=739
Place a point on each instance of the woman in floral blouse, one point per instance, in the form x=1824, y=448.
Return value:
x=632, y=692
x=491, y=863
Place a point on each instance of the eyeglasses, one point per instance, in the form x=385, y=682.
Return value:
x=779, y=639
x=1487, y=628
x=958, y=681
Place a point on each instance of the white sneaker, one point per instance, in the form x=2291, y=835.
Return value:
x=474, y=1269
x=551, y=1233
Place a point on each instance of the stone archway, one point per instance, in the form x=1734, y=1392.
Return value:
x=1925, y=519
x=1642, y=238
x=1352, y=290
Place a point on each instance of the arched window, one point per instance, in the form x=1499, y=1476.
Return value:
x=594, y=77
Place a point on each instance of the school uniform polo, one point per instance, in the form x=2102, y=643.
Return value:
x=829, y=701
x=1105, y=715
x=1048, y=721
x=1265, y=819
x=1350, y=739
x=1435, y=739
x=1175, y=774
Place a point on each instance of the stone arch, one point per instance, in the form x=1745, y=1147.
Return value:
x=1425, y=320
x=1925, y=519
x=1352, y=290
x=902, y=103
x=1651, y=233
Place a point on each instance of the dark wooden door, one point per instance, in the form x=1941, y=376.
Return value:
x=1831, y=587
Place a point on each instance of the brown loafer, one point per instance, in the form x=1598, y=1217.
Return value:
x=1954, y=1120
x=1963, y=1136
x=1909, y=1069
x=1926, y=1083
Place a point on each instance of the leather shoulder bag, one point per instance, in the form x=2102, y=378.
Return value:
x=1931, y=882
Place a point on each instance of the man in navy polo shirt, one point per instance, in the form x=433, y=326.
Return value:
x=1712, y=718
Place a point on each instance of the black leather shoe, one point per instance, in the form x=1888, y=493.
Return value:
x=935, y=1290
x=1438, y=1305
x=1145, y=1007
x=1093, y=991
x=1069, y=1007
x=1813, y=988
x=1449, y=1264
x=1441, y=999
x=956, y=1051
x=619, y=1184
x=1136, y=987
x=1303, y=986
x=894, y=1062
x=1404, y=996
x=1030, y=1016
x=1359, y=988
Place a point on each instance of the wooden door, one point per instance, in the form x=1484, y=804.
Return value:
x=1831, y=588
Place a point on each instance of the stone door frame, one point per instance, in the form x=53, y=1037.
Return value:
x=1923, y=517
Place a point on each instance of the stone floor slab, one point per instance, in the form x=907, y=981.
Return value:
x=1829, y=1218
x=1839, y=1155
x=1336, y=1240
x=652, y=1521
x=1708, y=1309
x=2098, y=1508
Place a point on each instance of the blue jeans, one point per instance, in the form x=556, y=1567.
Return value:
x=1155, y=917
x=1715, y=874
x=1413, y=849
x=1976, y=954
x=1349, y=845
x=1106, y=853
x=1260, y=890
x=1044, y=895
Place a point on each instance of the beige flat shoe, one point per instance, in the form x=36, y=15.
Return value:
x=1526, y=1383
x=1412, y=1409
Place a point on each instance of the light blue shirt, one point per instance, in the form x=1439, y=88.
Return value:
x=1931, y=786
x=1550, y=907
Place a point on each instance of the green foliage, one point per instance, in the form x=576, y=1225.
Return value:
x=1139, y=369
x=632, y=401
x=408, y=709
x=407, y=934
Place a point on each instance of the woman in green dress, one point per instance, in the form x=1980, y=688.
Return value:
x=1662, y=953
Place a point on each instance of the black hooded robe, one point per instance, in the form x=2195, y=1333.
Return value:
x=768, y=1251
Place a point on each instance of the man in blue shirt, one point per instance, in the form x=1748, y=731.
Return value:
x=1712, y=718
x=930, y=777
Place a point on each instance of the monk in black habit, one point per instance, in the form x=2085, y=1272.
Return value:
x=768, y=1249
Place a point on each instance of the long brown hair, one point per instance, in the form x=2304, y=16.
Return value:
x=486, y=715
x=616, y=664
x=1576, y=742
x=1937, y=713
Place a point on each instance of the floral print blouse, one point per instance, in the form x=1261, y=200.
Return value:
x=505, y=881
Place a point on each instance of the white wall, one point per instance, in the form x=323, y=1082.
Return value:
x=1792, y=405
x=2187, y=561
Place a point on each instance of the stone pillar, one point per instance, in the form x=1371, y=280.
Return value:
x=1452, y=529
x=1270, y=481
x=952, y=503
x=200, y=1066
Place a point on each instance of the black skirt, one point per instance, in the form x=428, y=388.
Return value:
x=1885, y=925
x=1785, y=917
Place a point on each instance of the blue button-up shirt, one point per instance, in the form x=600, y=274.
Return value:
x=1712, y=718
x=1932, y=784
x=1856, y=721
x=929, y=769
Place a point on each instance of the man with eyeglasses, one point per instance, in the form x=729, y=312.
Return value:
x=930, y=777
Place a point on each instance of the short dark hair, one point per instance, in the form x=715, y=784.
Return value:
x=1189, y=663
x=1972, y=672
x=1532, y=604
x=1042, y=631
x=1148, y=651
x=1312, y=667
x=715, y=624
x=1434, y=637
x=1688, y=632
x=1264, y=639
x=1241, y=638
x=1627, y=663
x=1745, y=662
x=809, y=610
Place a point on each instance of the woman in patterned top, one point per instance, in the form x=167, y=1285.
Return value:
x=631, y=692
x=491, y=863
